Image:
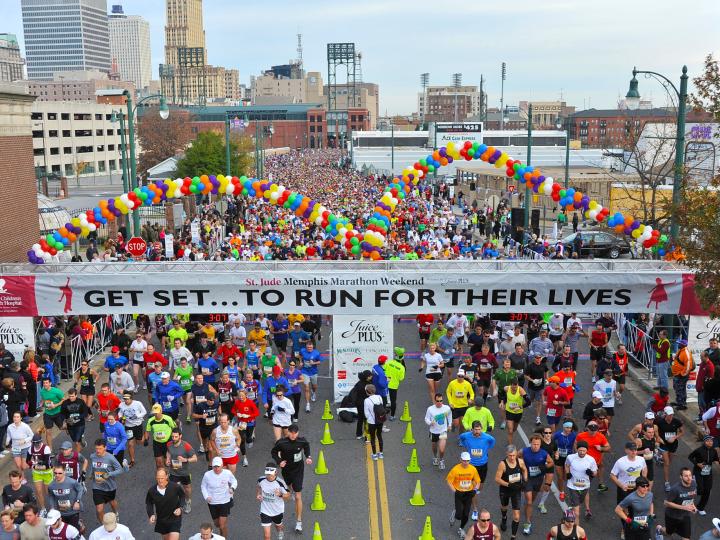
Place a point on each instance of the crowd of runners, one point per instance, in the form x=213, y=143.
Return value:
x=219, y=378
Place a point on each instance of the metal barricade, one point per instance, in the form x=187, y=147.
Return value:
x=82, y=348
x=638, y=343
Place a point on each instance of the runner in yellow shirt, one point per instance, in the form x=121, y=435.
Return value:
x=460, y=396
x=259, y=336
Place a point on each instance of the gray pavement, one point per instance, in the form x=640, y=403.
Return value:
x=346, y=490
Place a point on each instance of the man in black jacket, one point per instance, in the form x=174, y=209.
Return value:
x=164, y=503
x=358, y=395
x=288, y=453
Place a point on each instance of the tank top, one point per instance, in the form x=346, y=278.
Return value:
x=647, y=450
x=87, y=382
x=562, y=536
x=71, y=464
x=225, y=391
x=514, y=402
x=225, y=442
x=487, y=535
x=60, y=535
x=513, y=476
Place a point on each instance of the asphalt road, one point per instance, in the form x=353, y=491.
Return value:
x=363, y=497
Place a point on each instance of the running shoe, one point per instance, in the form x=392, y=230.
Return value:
x=374, y=457
x=201, y=449
x=250, y=444
x=658, y=533
x=313, y=397
x=386, y=429
x=188, y=507
x=307, y=407
x=527, y=529
x=435, y=461
x=452, y=518
x=502, y=426
x=298, y=527
x=281, y=535
x=380, y=455
x=460, y=533
x=537, y=421
x=187, y=419
x=702, y=512
x=245, y=461
x=441, y=465
x=588, y=513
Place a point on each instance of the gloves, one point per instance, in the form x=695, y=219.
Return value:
x=569, y=475
x=82, y=476
x=590, y=473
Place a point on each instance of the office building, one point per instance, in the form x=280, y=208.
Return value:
x=75, y=140
x=65, y=35
x=11, y=63
x=449, y=103
x=75, y=86
x=278, y=86
x=545, y=114
x=130, y=46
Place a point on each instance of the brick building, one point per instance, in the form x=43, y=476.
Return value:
x=612, y=128
x=19, y=218
x=296, y=125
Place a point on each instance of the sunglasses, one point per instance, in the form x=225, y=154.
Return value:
x=547, y=432
x=484, y=520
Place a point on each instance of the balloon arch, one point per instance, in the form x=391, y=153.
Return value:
x=366, y=243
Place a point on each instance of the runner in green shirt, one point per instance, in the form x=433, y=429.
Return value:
x=52, y=398
x=437, y=332
x=177, y=332
x=159, y=427
x=267, y=362
x=184, y=376
x=503, y=377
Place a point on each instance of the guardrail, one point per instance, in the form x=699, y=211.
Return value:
x=637, y=342
x=82, y=348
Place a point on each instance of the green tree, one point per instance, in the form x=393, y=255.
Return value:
x=699, y=212
x=206, y=155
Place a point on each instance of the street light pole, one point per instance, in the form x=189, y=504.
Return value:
x=564, y=124
x=227, y=146
x=526, y=215
x=632, y=99
x=392, y=147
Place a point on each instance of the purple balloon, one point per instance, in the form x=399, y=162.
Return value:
x=442, y=152
x=541, y=179
x=576, y=205
x=450, y=159
x=628, y=230
x=635, y=224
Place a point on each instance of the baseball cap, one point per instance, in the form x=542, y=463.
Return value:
x=164, y=375
x=382, y=359
x=682, y=342
x=668, y=410
x=296, y=324
x=66, y=445
x=649, y=415
x=538, y=355
x=597, y=394
x=52, y=516
x=399, y=351
x=156, y=408
x=461, y=372
x=708, y=438
x=110, y=521
x=127, y=395
x=115, y=349
x=217, y=461
x=465, y=456
x=276, y=370
x=37, y=438
x=554, y=378
x=630, y=445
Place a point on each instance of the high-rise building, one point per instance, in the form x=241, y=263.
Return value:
x=293, y=85
x=449, y=103
x=130, y=46
x=11, y=63
x=76, y=86
x=183, y=28
x=65, y=35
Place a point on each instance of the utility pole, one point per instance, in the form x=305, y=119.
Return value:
x=483, y=111
x=502, y=96
x=528, y=191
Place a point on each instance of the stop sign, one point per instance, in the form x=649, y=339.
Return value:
x=136, y=246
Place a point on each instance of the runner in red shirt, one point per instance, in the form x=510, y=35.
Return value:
x=424, y=324
x=598, y=347
x=150, y=357
x=555, y=399
x=228, y=349
x=597, y=446
x=106, y=402
x=245, y=411
x=621, y=357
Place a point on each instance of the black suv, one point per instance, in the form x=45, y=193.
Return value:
x=601, y=244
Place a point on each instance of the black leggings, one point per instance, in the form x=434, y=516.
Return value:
x=393, y=400
x=463, y=502
x=296, y=403
x=704, y=486
x=359, y=427
x=375, y=430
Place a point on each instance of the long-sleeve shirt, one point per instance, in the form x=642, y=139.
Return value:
x=483, y=414
x=271, y=383
x=438, y=419
x=163, y=505
x=119, y=383
x=115, y=437
x=218, y=488
x=63, y=495
x=103, y=471
x=168, y=396
x=380, y=380
x=291, y=452
x=540, y=346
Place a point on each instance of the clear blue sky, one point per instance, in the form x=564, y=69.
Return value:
x=586, y=50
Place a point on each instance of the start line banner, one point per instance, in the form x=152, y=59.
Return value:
x=359, y=292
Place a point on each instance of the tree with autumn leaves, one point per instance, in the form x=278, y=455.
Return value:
x=698, y=214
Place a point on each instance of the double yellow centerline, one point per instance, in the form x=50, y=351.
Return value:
x=377, y=485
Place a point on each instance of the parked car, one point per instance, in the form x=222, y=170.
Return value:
x=601, y=244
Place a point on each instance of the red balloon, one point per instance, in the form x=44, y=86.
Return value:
x=468, y=145
x=311, y=251
x=52, y=251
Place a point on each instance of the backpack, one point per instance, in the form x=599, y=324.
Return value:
x=380, y=413
x=4, y=420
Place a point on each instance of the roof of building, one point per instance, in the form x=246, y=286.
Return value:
x=285, y=111
x=612, y=113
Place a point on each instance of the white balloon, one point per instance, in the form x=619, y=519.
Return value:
x=274, y=196
x=130, y=204
x=92, y=227
x=36, y=247
x=547, y=188
x=46, y=256
x=593, y=214
x=318, y=220
x=178, y=182
x=230, y=189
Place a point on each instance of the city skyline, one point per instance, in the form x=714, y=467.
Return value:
x=547, y=47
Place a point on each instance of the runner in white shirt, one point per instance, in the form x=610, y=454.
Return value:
x=272, y=494
x=237, y=333
x=132, y=414
x=137, y=349
x=264, y=321
x=556, y=327
x=574, y=319
x=607, y=386
x=111, y=530
x=578, y=480
x=519, y=337
x=627, y=470
x=206, y=533
x=432, y=362
x=177, y=352
x=438, y=418
x=236, y=316
x=460, y=323
x=218, y=486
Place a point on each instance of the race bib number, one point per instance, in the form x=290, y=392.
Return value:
x=206, y=371
x=514, y=406
x=251, y=395
x=706, y=470
x=562, y=452
x=209, y=421
x=552, y=412
x=580, y=484
x=641, y=520
x=64, y=505
x=17, y=450
x=459, y=394
x=200, y=399
x=100, y=476
x=476, y=452
x=224, y=397
x=670, y=436
x=112, y=441
x=465, y=484
x=688, y=502
x=159, y=436
x=514, y=477
x=176, y=464
x=534, y=470
x=129, y=433
x=297, y=458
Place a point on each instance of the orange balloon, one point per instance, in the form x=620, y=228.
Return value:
x=374, y=255
x=619, y=228
x=628, y=221
x=443, y=161
x=436, y=155
x=63, y=231
x=578, y=196
x=73, y=237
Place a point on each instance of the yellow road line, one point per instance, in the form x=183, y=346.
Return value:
x=372, y=497
x=384, y=508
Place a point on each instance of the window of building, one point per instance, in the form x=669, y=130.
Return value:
x=37, y=134
x=84, y=149
x=38, y=151
x=98, y=117
x=65, y=116
x=36, y=116
x=67, y=150
x=66, y=133
x=100, y=148
x=111, y=165
x=110, y=132
x=69, y=169
x=101, y=166
x=319, y=129
x=83, y=132
x=98, y=132
x=111, y=147
x=82, y=116
x=53, y=133
x=108, y=117
x=312, y=129
x=56, y=169
x=54, y=151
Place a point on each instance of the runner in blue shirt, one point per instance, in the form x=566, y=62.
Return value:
x=208, y=367
x=268, y=389
x=294, y=377
x=299, y=337
x=478, y=444
x=168, y=394
x=538, y=462
x=252, y=359
x=114, y=359
x=279, y=332
x=310, y=362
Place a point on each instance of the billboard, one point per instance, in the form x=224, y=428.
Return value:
x=458, y=132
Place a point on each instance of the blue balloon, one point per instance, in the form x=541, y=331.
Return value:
x=65, y=241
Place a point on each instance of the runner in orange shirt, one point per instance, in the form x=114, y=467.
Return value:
x=597, y=446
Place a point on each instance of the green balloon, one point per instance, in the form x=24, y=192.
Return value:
x=431, y=168
x=663, y=238
x=355, y=250
x=354, y=241
x=244, y=192
x=196, y=180
x=562, y=193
